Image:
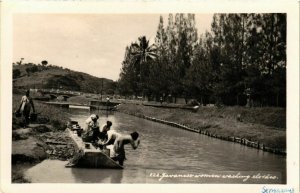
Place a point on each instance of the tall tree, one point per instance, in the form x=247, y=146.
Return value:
x=273, y=47
x=161, y=38
x=143, y=52
x=182, y=36
x=199, y=76
x=128, y=75
x=230, y=35
x=159, y=75
x=243, y=56
x=251, y=47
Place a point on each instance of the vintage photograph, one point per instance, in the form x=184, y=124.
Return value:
x=170, y=98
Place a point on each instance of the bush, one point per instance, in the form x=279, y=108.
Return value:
x=32, y=69
x=193, y=102
x=16, y=73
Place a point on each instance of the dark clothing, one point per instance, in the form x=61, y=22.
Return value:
x=94, y=135
x=110, y=142
x=26, y=117
x=87, y=136
x=119, y=158
x=102, y=135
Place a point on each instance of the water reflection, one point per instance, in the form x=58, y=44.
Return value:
x=97, y=175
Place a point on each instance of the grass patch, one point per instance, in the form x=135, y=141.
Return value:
x=55, y=116
x=80, y=99
x=264, y=125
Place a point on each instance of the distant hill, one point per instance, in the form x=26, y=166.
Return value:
x=48, y=77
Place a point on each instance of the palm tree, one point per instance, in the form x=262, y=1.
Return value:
x=143, y=52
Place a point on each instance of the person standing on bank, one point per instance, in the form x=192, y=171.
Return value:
x=25, y=107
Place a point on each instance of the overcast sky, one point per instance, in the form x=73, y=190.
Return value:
x=90, y=43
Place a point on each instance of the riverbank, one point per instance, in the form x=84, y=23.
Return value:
x=42, y=139
x=36, y=143
x=46, y=139
x=264, y=127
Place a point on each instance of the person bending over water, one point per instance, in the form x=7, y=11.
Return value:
x=120, y=142
x=111, y=137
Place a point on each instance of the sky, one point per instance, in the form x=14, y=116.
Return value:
x=90, y=43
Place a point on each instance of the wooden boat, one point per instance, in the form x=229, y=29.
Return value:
x=90, y=156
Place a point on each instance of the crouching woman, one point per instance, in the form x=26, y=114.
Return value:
x=120, y=142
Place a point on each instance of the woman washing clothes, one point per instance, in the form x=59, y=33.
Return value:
x=118, y=153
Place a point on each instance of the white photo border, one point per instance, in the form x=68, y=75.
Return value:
x=9, y=8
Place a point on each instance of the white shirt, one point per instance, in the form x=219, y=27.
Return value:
x=111, y=134
x=89, y=123
x=26, y=106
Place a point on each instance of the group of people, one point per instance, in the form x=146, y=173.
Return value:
x=104, y=136
x=99, y=136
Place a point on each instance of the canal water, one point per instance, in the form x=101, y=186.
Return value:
x=169, y=155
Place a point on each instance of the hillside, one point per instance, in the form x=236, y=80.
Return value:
x=48, y=77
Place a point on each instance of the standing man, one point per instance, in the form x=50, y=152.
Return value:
x=25, y=107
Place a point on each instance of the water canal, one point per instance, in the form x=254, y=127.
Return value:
x=168, y=150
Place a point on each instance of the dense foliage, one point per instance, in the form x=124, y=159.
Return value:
x=241, y=60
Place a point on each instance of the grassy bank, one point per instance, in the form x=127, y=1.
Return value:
x=57, y=117
x=264, y=125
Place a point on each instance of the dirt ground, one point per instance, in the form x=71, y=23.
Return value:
x=36, y=143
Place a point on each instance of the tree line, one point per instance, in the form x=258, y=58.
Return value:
x=241, y=60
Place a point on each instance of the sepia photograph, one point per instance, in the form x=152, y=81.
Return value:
x=150, y=98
